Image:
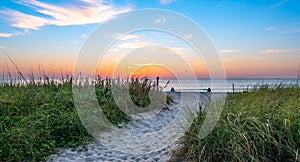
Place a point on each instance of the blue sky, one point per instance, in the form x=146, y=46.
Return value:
x=255, y=38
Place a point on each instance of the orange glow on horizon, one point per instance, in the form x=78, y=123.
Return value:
x=236, y=68
x=152, y=71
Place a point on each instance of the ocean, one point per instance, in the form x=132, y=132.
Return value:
x=216, y=85
x=223, y=85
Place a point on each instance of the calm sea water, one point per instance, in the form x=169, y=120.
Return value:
x=219, y=85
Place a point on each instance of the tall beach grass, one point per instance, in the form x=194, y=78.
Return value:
x=38, y=116
x=261, y=125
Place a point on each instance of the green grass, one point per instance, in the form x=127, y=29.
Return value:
x=37, y=118
x=261, y=125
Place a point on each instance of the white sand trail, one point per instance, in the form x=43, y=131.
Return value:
x=146, y=139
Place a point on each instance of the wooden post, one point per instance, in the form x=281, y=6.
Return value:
x=233, y=87
x=157, y=82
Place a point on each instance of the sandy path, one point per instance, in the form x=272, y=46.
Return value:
x=146, y=139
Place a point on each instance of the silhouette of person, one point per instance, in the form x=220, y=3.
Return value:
x=172, y=89
x=208, y=90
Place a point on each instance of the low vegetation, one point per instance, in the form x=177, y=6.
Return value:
x=261, y=125
x=38, y=117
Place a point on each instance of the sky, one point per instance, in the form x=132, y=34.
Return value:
x=254, y=38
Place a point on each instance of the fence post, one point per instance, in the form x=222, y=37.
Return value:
x=157, y=82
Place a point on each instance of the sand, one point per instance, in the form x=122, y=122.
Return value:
x=142, y=139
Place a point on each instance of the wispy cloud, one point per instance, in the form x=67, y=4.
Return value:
x=21, y=33
x=272, y=29
x=167, y=49
x=282, y=30
x=160, y=20
x=2, y=47
x=25, y=21
x=15, y=33
x=129, y=36
x=123, y=37
x=164, y=2
x=83, y=35
x=278, y=4
x=271, y=51
x=6, y=35
x=292, y=31
x=187, y=36
x=179, y=50
x=84, y=12
x=142, y=43
x=136, y=44
x=228, y=51
x=170, y=49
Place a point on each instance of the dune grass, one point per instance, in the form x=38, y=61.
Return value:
x=38, y=117
x=261, y=125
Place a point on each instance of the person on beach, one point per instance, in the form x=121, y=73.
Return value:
x=208, y=90
x=172, y=89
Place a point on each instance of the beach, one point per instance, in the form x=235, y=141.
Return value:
x=51, y=130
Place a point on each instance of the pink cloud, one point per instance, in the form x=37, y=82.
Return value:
x=84, y=12
x=6, y=35
x=269, y=51
x=228, y=51
x=25, y=21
